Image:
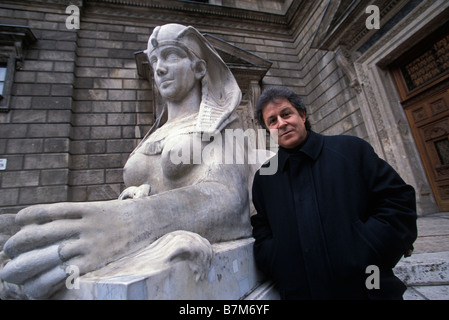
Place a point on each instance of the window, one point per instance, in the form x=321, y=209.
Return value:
x=2, y=78
x=7, y=69
x=12, y=41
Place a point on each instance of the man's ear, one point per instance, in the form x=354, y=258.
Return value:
x=200, y=69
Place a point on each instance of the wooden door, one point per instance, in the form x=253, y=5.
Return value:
x=421, y=76
x=429, y=119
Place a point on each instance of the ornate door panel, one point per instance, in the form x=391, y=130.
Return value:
x=429, y=119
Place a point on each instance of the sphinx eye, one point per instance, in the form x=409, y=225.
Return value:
x=173, y=54
x=152, y=60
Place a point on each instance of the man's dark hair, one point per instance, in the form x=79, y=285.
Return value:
x=272, y=94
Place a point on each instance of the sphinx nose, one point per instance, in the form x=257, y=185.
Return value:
x=161, y=69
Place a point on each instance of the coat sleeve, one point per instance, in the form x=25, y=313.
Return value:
x=264, y=245
x=390, y=225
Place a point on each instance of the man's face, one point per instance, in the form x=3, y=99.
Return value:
x=282, y=118
x=173, y=72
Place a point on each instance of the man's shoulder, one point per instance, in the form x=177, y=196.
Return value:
x=344, y=138
x=347, y=148
x=345, y=141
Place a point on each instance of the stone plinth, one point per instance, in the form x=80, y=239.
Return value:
x=232, y=275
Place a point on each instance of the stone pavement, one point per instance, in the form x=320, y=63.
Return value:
x=426, y=272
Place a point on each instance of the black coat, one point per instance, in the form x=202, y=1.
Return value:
x=349, y=209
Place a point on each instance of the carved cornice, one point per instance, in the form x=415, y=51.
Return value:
x=13, y=39
x=387, y=8
x=11, y=34
x=294, y=9
x=344, y=61
x=198, y=8
x=154, y=14
x=345, y=23
x=402, y=25
x=65, y=3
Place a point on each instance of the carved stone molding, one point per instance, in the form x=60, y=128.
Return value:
x=404, y=24
x=197, y=8
x=13, y=39
x=344, y=22
x=65, y=3
x=370, y=110
x=345, y=63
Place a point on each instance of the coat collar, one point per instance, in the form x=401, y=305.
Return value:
x=311, y=149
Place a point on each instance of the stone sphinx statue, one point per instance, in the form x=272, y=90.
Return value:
x=172, y=187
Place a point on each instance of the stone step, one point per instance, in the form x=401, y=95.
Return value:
x=424, y=269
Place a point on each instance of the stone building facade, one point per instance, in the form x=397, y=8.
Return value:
x=76, y=98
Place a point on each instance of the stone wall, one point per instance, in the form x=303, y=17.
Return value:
x=332, y=103
x=112, y=107
x=35, y=133
x=313, y=73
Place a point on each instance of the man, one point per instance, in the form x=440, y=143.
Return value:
x=332, y=209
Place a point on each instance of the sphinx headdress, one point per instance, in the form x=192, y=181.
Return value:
x=221, y=94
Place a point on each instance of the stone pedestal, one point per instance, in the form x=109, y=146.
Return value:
x=232, y=275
